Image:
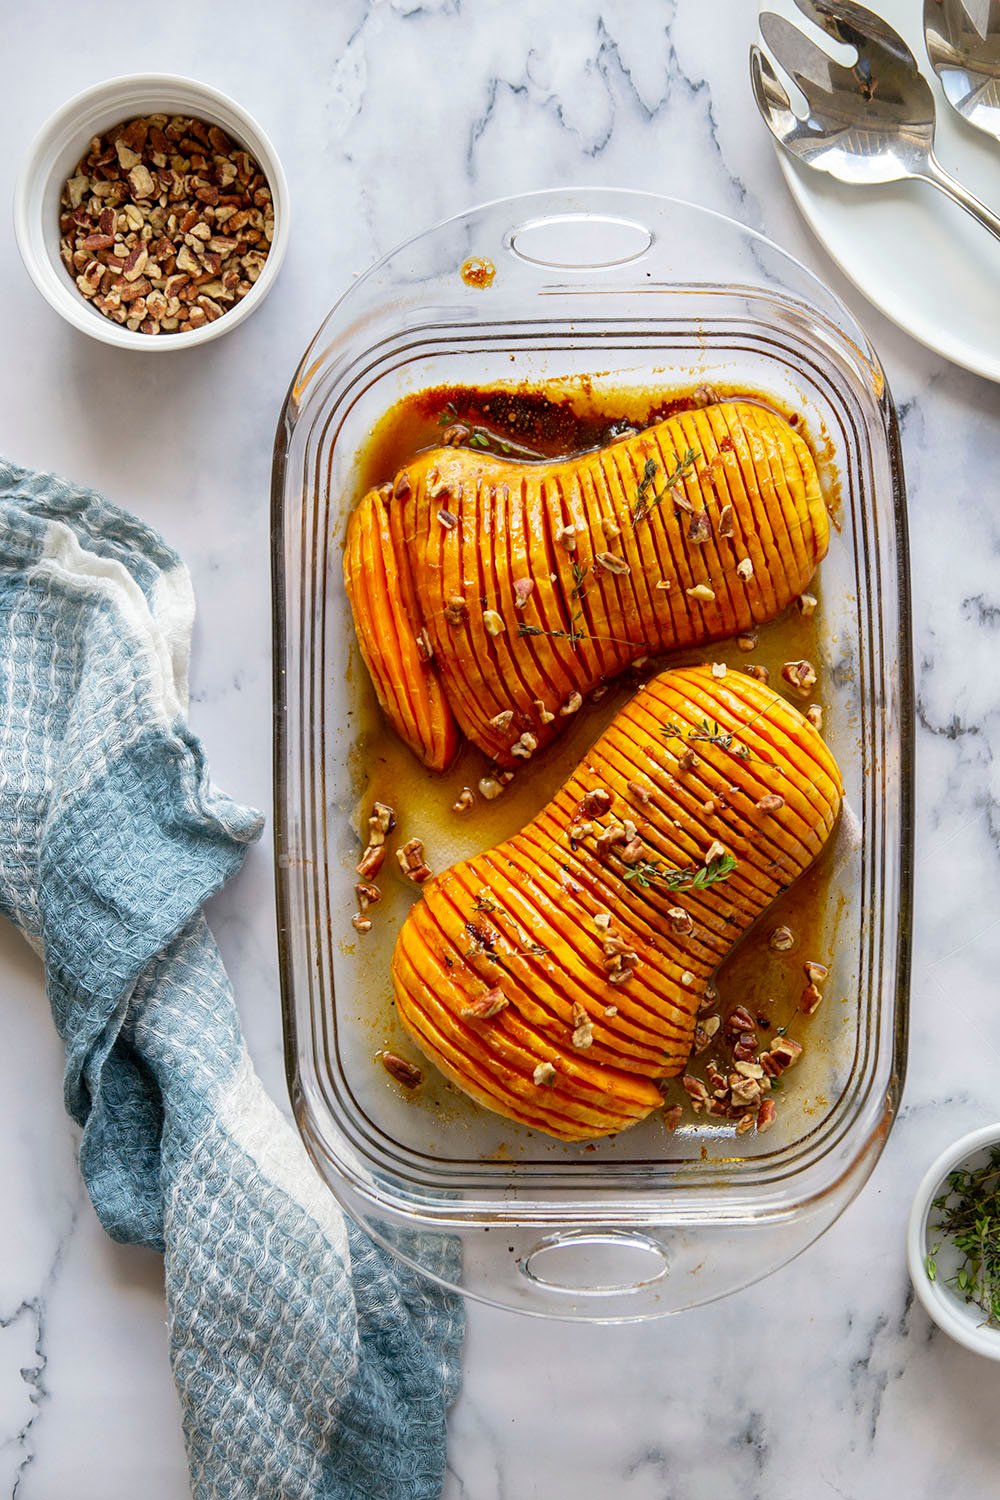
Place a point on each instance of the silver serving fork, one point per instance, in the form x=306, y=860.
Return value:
x=871, y=122
x=963, y=44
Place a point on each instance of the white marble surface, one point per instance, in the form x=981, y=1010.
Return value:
x=823, y=1380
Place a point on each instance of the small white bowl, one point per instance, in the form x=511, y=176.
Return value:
x=948, y=1308
x=61, y=143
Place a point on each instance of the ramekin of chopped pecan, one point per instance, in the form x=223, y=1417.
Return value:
x=152, y=213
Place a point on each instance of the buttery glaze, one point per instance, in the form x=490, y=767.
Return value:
x=559, y=420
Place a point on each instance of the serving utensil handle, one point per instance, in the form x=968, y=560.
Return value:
x=936, y=174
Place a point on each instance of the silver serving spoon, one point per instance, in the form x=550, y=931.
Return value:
x=872, y=122
x=963, y=44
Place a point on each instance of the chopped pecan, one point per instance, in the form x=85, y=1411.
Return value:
x=782, y=1055
x=696, y=1091
x=815, y=973
x=384, y=816
x=406, y=1073
x=765, y=1116
x=583, y=1029
x=424, y=648
x=487, y=1006
x=573, y=704
x=525, y=747
x=456, y=610
x=360, y=923
x=680, y=921
x=411, y=861
x=738, y=1021
x=371, y=861
x=801, y=675
x=770, y=802
x=544, y=1075
x=782, y=940
x=523, y=588
x=702, y=592
x=810, y=999
x=463, y=802
x=596, y=802
x=672, y=1116
x=367, y=894
x=611, y=563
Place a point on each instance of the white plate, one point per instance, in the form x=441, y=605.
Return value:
x=918, y=257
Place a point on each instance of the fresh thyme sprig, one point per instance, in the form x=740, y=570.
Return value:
x=572, y=635
x=711, y=734
x=643, y=506
x=969, y=1216
x=579, y=590
x=694, y=878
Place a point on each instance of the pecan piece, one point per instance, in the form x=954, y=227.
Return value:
x=371, y=861
x=406, y=1073
x=412, y=863
x=800, y=675
x=367, y=894
x=463, y=802
x=487, y=1006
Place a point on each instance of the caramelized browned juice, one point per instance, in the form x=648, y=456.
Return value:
x=560, y=420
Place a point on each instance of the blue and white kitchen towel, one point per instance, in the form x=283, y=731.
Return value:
x=308, y=1363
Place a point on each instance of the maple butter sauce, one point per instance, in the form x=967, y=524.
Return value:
x=552, y=421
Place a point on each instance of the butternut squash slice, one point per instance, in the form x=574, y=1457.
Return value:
x=557, y=977
x=487, y=593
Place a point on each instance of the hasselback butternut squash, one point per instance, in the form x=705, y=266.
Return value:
x=490, y=595
x=557, y=977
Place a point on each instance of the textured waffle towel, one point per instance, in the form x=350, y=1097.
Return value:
x=308, y=1363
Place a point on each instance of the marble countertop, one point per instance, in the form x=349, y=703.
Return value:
x=389, y=115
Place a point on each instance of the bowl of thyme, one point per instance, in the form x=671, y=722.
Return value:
x=953, y=1241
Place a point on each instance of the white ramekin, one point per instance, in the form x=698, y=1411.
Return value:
x=949, y=1309
x=61, y=143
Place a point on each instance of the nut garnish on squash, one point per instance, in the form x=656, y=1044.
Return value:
x=556, y=576
x=604, y=961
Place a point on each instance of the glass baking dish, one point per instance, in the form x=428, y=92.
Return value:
x=628, y=290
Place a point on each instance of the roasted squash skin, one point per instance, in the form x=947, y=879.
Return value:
x=487, y=594
x=506, y=954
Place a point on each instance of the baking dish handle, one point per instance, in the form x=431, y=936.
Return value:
x=581, y=241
